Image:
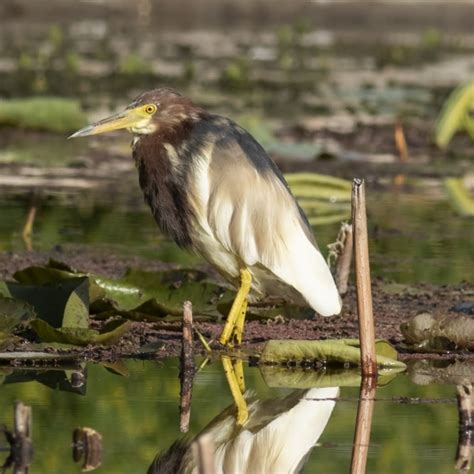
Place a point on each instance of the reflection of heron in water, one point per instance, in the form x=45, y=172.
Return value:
x=264, y=436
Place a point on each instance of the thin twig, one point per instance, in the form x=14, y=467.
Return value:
x=343, y=266
x=203, y=341
x=363, y=284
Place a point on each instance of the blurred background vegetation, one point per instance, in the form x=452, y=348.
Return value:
x=346, y=88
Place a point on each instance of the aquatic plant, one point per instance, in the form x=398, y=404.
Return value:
x=54, y=114
x=456, y=115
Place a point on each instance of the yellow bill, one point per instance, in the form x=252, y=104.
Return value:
x=129, y=118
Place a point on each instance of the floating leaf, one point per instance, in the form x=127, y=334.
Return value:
x=14, y=312
x=335, y=351
x=459, y=196
x=163, y=293
x=427, y=332
x=455, y=115
x=65, y=303
x=56, y=272
x=109, y=335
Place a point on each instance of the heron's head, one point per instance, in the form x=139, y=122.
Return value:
x=145, y=114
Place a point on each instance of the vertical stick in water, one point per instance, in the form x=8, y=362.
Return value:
x=187, y=368
x=362, y=273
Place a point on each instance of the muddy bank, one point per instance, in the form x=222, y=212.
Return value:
x=393, y=304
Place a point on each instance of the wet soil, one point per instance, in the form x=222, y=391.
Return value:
x=392, y=306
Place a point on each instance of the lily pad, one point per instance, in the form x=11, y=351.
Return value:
x=330, y=351
x=163, y=293
x=426, y=332
x=64, y=303
x=55, y=272
x=110, y=334
x=14, y=312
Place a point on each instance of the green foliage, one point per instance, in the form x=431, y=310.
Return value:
x=332, y=351
x=427, y=49
x=42, y=113
x=108, y=335
x=459, y=196
x=236, y=75
x=456, y=115
x=290, y=48
x=133, y=64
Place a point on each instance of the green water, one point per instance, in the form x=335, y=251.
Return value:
x=137, y=416
x=414, y=236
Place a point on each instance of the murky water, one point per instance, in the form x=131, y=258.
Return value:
x=415, y=236
x=137, y=415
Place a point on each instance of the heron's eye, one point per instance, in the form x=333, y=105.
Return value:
x=150, y=109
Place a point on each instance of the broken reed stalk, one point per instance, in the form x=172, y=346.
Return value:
x=187, y=368
x=365, y=410
x=362, y=275
x=465, y=397
x=203, y=451
x=343, y=265
x=400, y=142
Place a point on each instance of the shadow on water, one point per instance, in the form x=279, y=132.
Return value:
x=134, y=407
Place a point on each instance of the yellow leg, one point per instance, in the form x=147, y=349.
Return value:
x=239, y=374
x=239, y=400
x=239, y=305
x=238, y=330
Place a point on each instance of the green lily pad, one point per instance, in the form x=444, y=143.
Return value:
x=14, y=312
x=64, y=303
x=335, y=351
x=163, y=293
x=110, y=334
x=55, y=272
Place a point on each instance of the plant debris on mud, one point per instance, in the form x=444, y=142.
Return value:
x=393, y=304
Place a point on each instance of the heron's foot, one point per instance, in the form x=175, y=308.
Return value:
x=234, y=326
x=234, y=373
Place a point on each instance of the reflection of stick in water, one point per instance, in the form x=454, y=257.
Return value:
x=277, y=437
x=465, y=397
x=360, y=449
x=21, y=447
x=187, y=368
x=28, y=228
